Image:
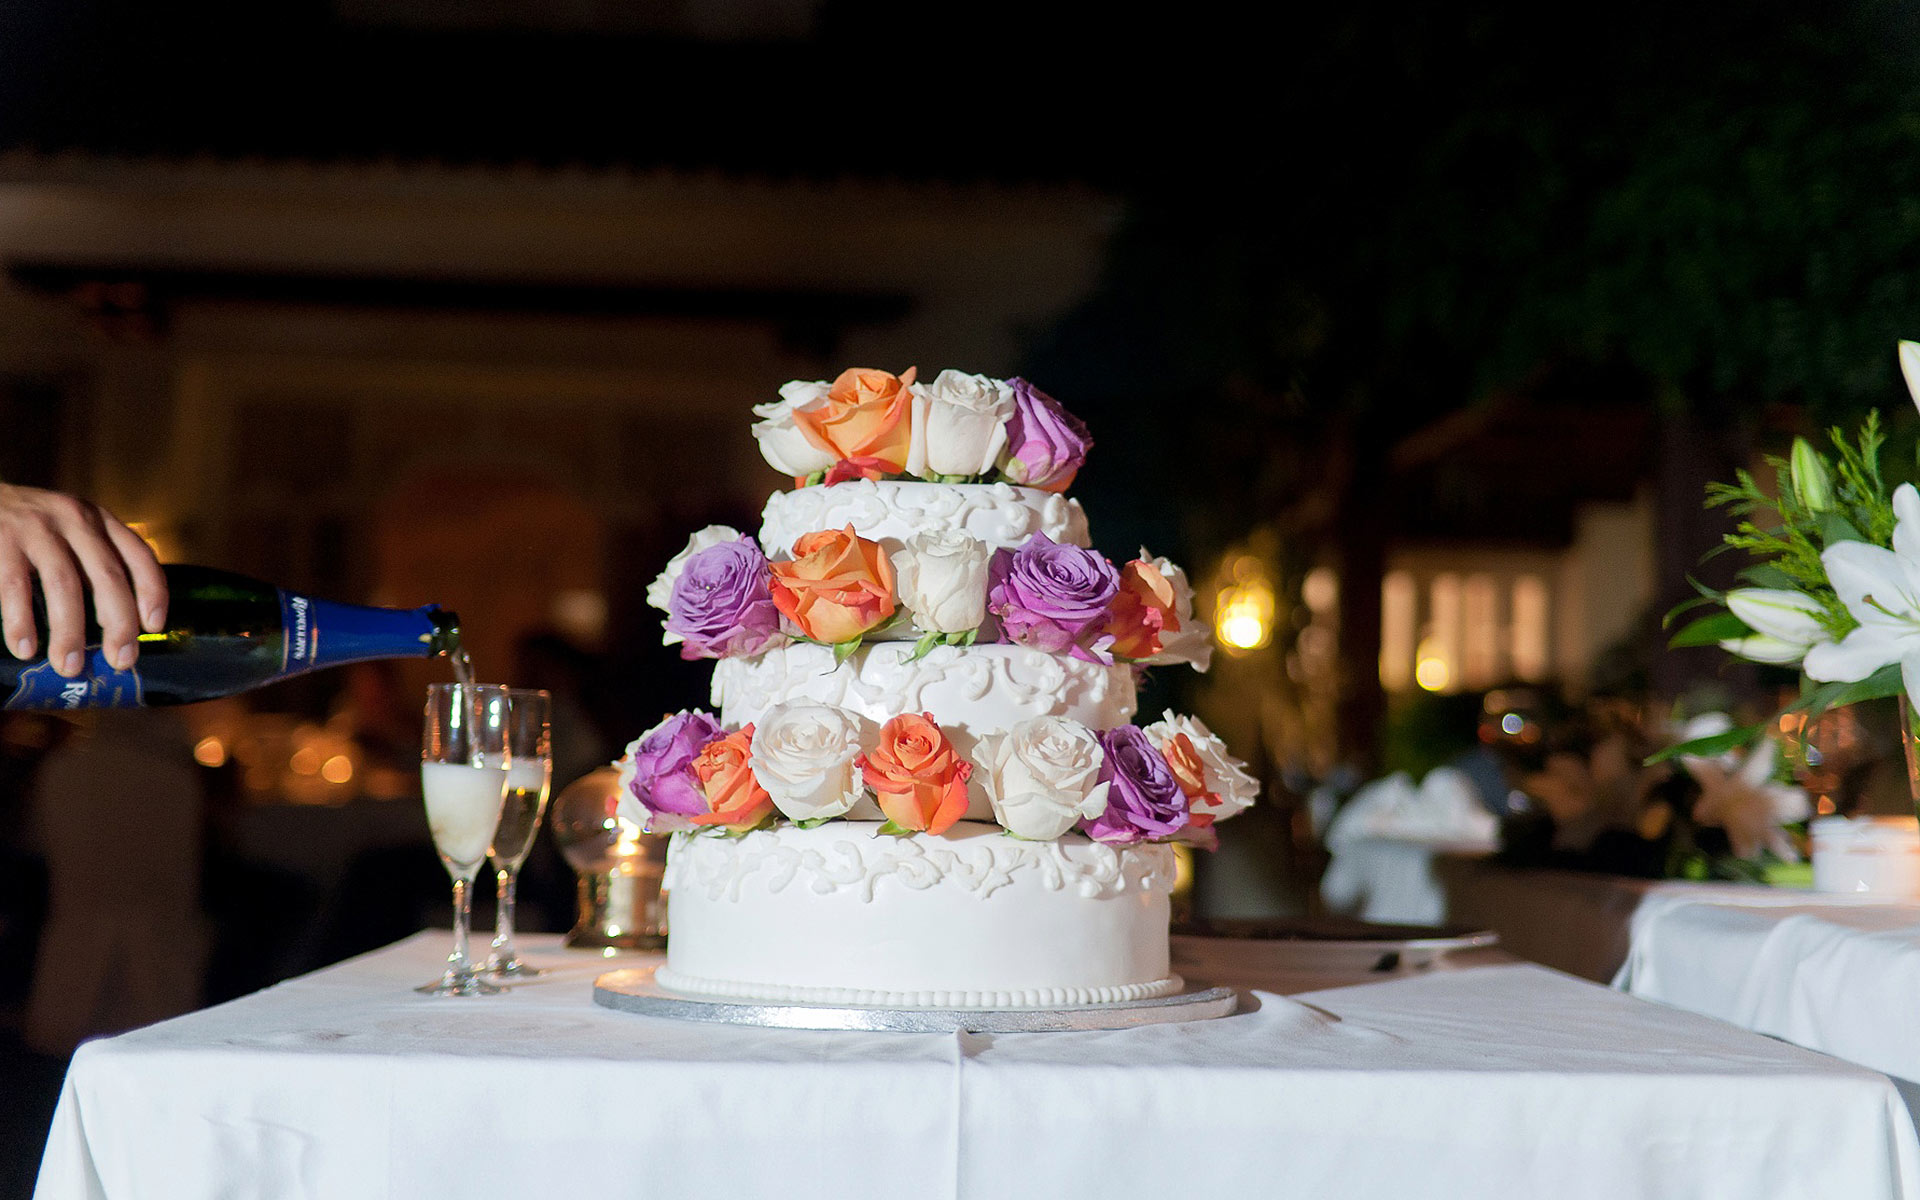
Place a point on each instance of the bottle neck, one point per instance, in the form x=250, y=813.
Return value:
x=322, y=633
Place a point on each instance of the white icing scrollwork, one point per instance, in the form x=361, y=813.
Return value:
x=720, y=866
x=980, y=689
x=999, y=514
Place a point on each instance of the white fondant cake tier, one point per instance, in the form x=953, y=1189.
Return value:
x=970, y=690
x=841, y=914
x=999, y=514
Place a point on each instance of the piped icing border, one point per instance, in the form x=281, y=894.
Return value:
x=1058, y=997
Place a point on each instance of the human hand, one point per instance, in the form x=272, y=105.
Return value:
x=73, y=546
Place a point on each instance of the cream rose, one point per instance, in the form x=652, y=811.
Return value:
x=660, y=591
x=959, y=425
x=941, y=578
x=803, y=755
x=1043, y=776
x=1193, y=642
x=1229, y=788
x=782, y=444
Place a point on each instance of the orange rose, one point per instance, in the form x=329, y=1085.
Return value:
x=1143, y=610
x=1190, y=772
x=866, y=421
x=917, y=776
x=734, y=797
x=838, y=586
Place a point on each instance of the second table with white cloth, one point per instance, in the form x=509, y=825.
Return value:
x=1492, y=1080
x=1834, y=972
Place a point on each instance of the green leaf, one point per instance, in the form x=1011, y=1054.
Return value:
x=812, y=822
x=891, y=829
x=924, y=646
x=1767, y=575
x=1710, y=631
x=1707, y=747
x=966, y=639
x=814, y=479
x=843, y=650
x=1882, y=683
x=1835, y=528
x=1686, y=606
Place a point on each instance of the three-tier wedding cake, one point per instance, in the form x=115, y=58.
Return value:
x=922, y=788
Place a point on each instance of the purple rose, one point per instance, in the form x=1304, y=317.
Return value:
x=722, y=604
x=1046, y=444
x=1144, y=800
x=1052, y=596
x=662, y=768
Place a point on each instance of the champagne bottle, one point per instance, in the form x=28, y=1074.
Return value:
x=227, y=633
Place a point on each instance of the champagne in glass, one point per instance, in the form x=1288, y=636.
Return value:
x=463, y=773
x=529, y=777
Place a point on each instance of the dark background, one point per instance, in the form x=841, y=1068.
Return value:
x=1382, y=275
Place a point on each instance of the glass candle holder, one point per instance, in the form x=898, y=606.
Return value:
x=621, y=905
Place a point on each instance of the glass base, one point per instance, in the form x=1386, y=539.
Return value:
x=510, y=969
x=455, y=983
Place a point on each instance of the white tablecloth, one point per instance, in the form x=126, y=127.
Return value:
x=1835, y=973
x=1489, y=1081
x=1579, y=922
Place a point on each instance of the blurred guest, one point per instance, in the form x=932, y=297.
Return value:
x=117, y=812
x=71, y=546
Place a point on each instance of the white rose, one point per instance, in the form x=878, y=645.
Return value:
x=785, y=448
x=959, y=425
x=1193, y=643
x=1043, y=776
x=1233, y=789
x=660, y=591
x=802, y=754
x=941, y=578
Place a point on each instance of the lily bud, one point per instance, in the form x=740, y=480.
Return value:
x=1910, y=367
x=1811, y=483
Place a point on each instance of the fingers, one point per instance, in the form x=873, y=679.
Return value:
x=16, y=602
x=68, y=547
x=65, y=604
x=113, y=602
x=149, y=581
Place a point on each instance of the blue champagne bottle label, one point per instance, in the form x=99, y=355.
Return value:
x=99, y=686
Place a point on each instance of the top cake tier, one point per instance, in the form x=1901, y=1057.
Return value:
x=954, y=428
x=892, y=511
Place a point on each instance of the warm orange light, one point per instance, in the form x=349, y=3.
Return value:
x=1243, y=615
x=338, y=769
x=210, y=752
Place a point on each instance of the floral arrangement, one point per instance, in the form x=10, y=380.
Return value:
x=724, y=598
x=1044, y=777
x=960, y=428
x=1834, y=586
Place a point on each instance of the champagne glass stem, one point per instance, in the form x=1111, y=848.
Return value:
x=462, y=910
x=509, y=881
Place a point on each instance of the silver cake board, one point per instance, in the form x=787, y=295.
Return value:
x=633, y=990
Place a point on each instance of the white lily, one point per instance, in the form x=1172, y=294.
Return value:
x=1785, y=624
x=1739, y=794
x=1881, y=588
x=1910, y=367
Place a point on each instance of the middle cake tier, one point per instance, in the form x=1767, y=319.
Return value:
x=970, y=690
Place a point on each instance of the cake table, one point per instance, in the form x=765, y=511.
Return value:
x=1500, y=1080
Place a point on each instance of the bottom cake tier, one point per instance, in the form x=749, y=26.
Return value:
x=973, y=918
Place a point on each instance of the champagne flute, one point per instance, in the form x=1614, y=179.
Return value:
x=529, y=777
x=463, y=772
